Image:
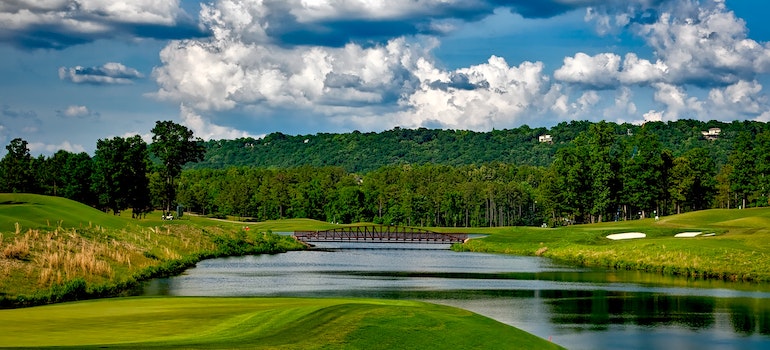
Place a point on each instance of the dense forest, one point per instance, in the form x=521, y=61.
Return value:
x=363, y=152
x=585, y=172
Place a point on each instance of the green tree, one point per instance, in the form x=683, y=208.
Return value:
x=67, y=175
x=76, y=178
x=16, y=173
x=704, y=187
x=603, y=171
x=743, y=178
x=574, y=181
x=175, y=146
x=642, y=173
x=762, y=166
x=120, y=174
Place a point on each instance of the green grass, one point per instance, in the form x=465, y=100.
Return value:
x=739, y=251
x=38, y=212
x=54, y=249
x=258, y=323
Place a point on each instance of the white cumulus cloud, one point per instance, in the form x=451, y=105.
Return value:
x=208, y=131
x=254, y=63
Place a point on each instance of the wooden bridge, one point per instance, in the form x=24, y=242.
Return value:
x=380, y=234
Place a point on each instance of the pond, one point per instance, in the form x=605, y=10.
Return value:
x=578, y=308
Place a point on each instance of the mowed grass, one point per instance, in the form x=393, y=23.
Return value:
x=739, y=249
x=31, y=211
x=258, y=323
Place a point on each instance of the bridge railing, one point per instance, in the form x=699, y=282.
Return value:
x=380, y=233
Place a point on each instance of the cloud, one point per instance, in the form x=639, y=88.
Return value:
x=600, y=71
x=77, y=112
x=334, y=61
x=652, y=116
x=58, y=24
x=605, y=71
x=705, y=45
x=339, y=22
x=623, y=107
x=677, y=101
x=9, y=112
x=503, y=96
x=225, y=74
x=208, y=131
x=44, y=148
x=109, y=73
x=14, y=119
x=700, y=43
x=743, y=97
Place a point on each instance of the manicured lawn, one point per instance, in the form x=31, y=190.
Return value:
x=264, y=323
x=739, y=249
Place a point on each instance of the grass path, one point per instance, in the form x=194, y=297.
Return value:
x=257, y=323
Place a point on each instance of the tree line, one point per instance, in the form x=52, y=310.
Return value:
x=604, y=173
x=121, y=175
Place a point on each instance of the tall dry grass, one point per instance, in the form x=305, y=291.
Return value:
x=19, y=249
x=66, y=255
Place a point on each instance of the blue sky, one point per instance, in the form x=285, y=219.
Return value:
x=74, y=72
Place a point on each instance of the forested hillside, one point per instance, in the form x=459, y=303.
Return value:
x=364, y=152
x=584, y=172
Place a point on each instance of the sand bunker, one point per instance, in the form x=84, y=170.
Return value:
x=687, y=234
x=627, y=235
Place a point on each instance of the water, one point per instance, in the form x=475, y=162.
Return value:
x=576, y=307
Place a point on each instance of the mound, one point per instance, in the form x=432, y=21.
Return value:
x=38, y=211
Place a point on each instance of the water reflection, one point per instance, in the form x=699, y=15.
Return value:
x=575, y=307
x=601, y=309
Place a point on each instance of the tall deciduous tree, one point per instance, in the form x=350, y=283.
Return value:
x=603, y=170
x=16, y=168
x=642, y=176
x=175, y=146
x=120, y=173
x=76, y=178
x=743, y=177
x=574, y=185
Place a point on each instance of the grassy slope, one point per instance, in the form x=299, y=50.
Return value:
x=34, y=211
x=47, y=242
x=739, y=251
x=258, y=323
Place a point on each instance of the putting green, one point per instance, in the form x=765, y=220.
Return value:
x=288, y=323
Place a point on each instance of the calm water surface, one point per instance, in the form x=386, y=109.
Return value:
x=574, y=307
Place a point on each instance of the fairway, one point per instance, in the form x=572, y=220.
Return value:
x=268, y=323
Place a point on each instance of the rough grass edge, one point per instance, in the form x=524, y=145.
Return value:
x=78, y=289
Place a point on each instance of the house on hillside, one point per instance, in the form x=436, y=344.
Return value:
x=712, y=133
x=545, y=138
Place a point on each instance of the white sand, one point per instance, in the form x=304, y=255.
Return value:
x=627, y=235
x=688, y=234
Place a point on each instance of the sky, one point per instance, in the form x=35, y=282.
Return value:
x=76, y=71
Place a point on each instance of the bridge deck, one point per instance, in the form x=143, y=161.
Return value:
x=380, y=234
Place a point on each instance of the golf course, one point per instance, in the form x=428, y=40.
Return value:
x=65, y=268
x=257, y=323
